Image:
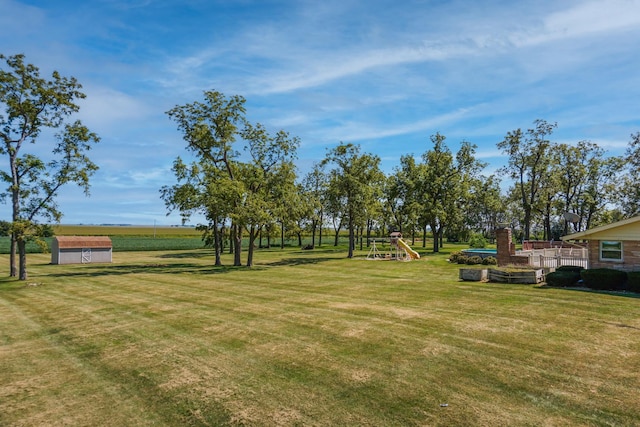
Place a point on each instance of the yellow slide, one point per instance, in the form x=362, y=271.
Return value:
x=412, y=254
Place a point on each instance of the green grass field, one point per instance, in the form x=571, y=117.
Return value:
x=308, y=338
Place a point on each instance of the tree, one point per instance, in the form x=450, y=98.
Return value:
x=586, y=182
x=32, y=104
x=314, y=188
x=401, y=194
x=203, y=188
x=210, y=129
x=628, y=196
x=486, y=206
x=269, y=179
x=445, y=185
x=219, y=183
x=528, y=165
x=353, y=179
x=335, y=203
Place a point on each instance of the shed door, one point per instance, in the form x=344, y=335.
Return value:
x=86, y=255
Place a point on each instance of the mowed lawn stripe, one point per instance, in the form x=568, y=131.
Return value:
x=42, y=378
x=336, y=341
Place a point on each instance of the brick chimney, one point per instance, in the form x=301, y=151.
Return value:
x=505, y=246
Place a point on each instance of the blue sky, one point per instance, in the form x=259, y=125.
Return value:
x=382, y=74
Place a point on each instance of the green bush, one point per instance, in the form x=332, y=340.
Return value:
x=473, y=260
x=606, y=279
x=454, y=256
x=574, y=268
x=477, y=241
x=563, y=278
x=462, y=259
x=490, y=260
x=633, y=281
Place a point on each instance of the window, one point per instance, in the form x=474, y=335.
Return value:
x=610, y=251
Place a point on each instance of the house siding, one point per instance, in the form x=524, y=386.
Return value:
x=630, y=256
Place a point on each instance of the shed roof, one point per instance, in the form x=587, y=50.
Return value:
x=627, y=229
x=69, y=242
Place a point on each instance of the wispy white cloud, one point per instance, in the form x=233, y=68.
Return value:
x=584, y=19
x=354, y=132
x=106, y=107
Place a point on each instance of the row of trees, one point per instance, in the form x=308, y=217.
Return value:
x=243, y=178
x=245, y=190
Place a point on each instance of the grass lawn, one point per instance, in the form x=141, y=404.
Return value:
x=308, y=338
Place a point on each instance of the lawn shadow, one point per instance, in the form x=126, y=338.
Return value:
x=300, y=260
x=308, y=257
x=177, y=263
x=149, y=268
x=182, y=255
x=624, y=294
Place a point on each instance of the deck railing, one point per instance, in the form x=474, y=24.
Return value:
x=556, y=257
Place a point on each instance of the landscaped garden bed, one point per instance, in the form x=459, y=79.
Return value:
x=474, y=274
x=502, y=275
x=524, y=276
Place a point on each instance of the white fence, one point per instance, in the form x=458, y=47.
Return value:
x=556, y=257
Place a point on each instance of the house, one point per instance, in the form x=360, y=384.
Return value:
x=614, y=245
x=80, y=249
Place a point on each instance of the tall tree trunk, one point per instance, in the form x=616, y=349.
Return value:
x=252, y=239
x=15, y=206
x=527, y=223
x=217, y=242
x=282, y=235
x=352, y=237
x=22, y=253
x=13, y=271
x=320, y=230
x=424, y=236
x=237, y=251
x=314, y=224
x=436, y=240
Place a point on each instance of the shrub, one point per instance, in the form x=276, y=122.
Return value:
x=478, y=241
x=462, y=259
x=473, y=260
x=604, y=279
x=563, y=278
x=574, y=268
x=633, y=281
x=490, y=260
x=454, y=256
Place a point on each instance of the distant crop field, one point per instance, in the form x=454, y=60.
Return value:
x=123, y=230
x=125, y=238
x=124, y=243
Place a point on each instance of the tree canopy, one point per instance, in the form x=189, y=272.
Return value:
x=29, y=105
x=220, y=183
